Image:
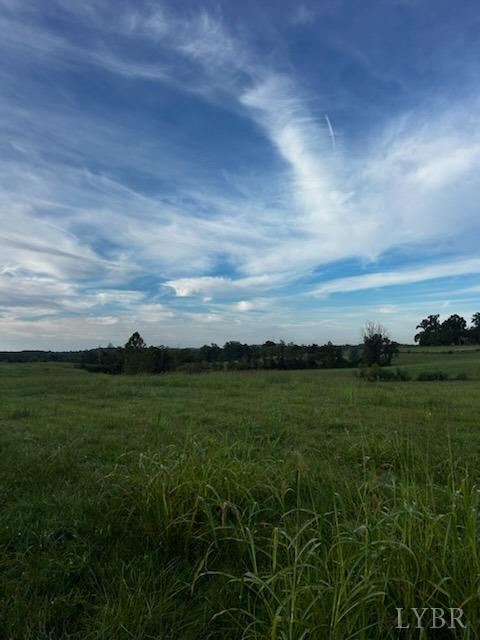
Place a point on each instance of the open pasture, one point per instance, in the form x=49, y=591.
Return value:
x=280, y=505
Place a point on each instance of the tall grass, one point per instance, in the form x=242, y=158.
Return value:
x=186, y=510
x=292, y=554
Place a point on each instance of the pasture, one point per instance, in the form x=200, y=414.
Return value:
x=250, y=505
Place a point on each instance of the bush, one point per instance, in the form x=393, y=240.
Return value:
x=368, y=373
x=376, y=374
x=191, y=367
x=386, y=375
x=112, y=368
x=403, y=375
x=431, y=376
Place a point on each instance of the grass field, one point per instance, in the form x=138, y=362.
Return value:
x=269, y=505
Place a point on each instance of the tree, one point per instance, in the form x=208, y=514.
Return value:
x=156, y=360
x=453, y=330
x=135, y=354
x=210, y=353
x=377, y=346
x=431, y=331
x=331, y=356
x=354, y=356
x=135, y=342
x=234, y=350
x=475, y=329
x=108, y=360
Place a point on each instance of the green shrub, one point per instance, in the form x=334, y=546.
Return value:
x=191, y=367
x=375, y=373
x=369, y=373
x=431, y=376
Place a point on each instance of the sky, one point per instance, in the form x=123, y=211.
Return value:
x=207, y=171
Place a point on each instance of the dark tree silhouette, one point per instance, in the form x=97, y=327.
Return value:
x=431, y=331
x=377, y=346
x=135, y=342
x=454, y=330
x=475, y=329
x=135, y=360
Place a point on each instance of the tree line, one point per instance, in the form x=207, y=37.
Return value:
x=36, y=355
x=452, y=331
x=136, y=357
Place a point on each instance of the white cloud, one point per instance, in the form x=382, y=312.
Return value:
x=395, y=278
x=255, y=304
x=71, y=236
x=214, y=286
x=415, y=183
x=244, y=305
x=102, y=320
x=387, y=309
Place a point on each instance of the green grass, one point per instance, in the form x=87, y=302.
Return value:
x=279, y=505
x=454, y=360
x=440, y=349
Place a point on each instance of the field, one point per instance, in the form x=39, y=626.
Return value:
x=259, y=505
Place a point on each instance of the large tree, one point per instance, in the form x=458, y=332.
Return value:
x=210, y=353
x=234, y=350
x=454, y=330
x=135, y=342
x=475, y=328
x=135, y=354
x=378, y=348
x=431, y=331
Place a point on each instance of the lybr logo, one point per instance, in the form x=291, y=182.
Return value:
x=429, y=618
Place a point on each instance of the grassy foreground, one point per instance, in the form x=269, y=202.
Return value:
x=286, y=505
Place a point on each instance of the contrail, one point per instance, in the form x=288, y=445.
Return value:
x=332, y=132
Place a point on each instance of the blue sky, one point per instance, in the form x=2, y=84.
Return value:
x=208, y=171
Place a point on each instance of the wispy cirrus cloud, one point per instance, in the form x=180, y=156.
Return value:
x=215, y=286
x=380, y=279
x=170, y=212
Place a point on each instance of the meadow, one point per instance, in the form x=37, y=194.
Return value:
x=285, y=505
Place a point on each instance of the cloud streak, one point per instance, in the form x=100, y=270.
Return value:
x=397, y=278
x=103, y=214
